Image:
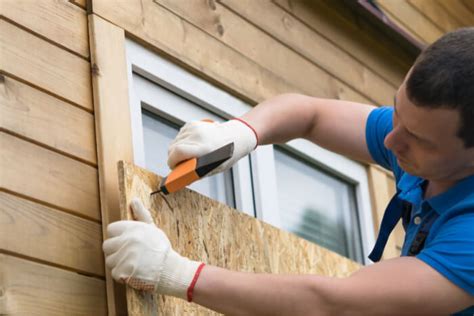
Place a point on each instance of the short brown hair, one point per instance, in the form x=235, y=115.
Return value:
x=443, y=77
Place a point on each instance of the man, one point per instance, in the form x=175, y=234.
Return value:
x=426, y=139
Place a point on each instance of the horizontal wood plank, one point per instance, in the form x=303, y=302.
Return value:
x=348, y=34
x=59, y=21
x=41, y=117
x=313, y=46
x=47, y=176
x=37, y=231
x=437, y=14
x=200, y=52
x=469, y=4
x=45, y=65
x=224, y=25
x=29, y=288
x=412, y=19
x=459, y=11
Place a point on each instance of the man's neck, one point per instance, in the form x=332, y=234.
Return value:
x=434, y=188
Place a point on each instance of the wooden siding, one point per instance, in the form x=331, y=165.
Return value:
x=51, y=259
x=30, y=288
x=30, y=58
x=427, y=20
x=60, y=22
x=50, y=235
x=240, y=40
x=42, y=118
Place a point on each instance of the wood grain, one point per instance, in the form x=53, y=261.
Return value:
x=206, y=230
x=59, y=21
x=200, y=52
x=352, y=35
x=46, y=176
x=29, y=288
x=459, y=10
x=43, y=118
x=314, y=47
x=113, y=127
x=37, y=231
x=316, y=76
x=26, y=56
x=436, y=14
x=411, y=19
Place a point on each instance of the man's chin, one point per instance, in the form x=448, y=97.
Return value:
x=407, y=167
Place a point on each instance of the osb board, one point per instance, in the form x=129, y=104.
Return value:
x=205, y=230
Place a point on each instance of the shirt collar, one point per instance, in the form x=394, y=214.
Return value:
x=411, y=190
x=462, y=190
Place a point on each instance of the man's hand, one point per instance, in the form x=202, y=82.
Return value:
x=198, y=138
x=140, y=255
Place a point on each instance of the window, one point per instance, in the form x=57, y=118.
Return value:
x=316, y=194
x=316, y=205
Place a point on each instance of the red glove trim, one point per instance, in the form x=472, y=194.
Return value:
x=193, y=282
x=248, y=125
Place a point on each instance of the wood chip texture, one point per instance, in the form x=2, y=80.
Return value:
x=206, y=230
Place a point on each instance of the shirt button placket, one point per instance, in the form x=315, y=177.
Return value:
x=417, y=220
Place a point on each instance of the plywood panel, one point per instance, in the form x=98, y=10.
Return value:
x=313, y=46
x=29, y=288
x=43, y=118
x=49, y=177
x=59, y=21
x=436, y=13
x=352, y=35
x=37, y=231
x=220, y=64
x=411, y=19
x=113, y=127
x=306, y=73
x=45, y=65
x=206, y=230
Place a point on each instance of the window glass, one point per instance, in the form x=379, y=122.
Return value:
x=317, y=206
x=157, y=135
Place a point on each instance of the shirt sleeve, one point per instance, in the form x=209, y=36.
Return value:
x=451, y=251
x=379, y=124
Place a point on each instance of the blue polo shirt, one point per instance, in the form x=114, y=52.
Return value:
x=449, y=247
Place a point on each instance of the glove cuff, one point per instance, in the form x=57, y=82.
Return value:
x=178, y=275
x=249, y=126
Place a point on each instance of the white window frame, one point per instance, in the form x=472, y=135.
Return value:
x=224, y=106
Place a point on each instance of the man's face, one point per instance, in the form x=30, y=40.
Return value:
x=425, y=143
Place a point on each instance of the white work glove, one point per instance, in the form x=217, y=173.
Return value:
x=140, y=255
x=196, y=139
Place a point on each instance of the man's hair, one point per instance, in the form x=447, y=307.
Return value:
x=443, y=77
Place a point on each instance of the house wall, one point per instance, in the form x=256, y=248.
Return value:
x=50, y=211
x=427, y=20
x=50, y=224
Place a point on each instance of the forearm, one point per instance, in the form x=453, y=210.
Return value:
x=283, y=118
x=238, y=293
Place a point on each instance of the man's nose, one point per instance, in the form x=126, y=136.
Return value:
x=395, y=141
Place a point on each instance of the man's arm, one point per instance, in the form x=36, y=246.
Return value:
x=333, y=124
x=402, y=286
